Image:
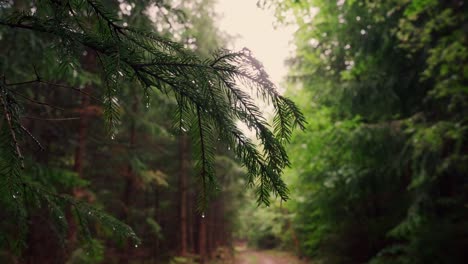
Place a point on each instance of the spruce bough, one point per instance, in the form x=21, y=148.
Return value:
x=208, y=93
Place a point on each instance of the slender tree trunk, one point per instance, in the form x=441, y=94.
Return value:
x=293, y=233
x=202, y=239
x=210, y=219
x=88, y=63
x=80, y=152
x=183, y=250
x=130, y=179
x=129, y=174
x=156, y=218
x=191, y=223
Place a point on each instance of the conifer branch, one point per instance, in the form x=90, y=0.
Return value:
x=8, y=118
x=41, y=81
x=203, y=158
x=32, y=137
x=204, y=86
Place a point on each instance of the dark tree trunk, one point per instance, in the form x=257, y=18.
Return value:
x=202, y=239
x=130, y=179
x=89, y=64
x=191, y=223
x=183, y=151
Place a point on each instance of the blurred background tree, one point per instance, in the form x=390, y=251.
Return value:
x=380, y=174
x=118, y=114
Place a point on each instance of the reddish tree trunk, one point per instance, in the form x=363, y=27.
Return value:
x=88, y=63
x=183, y=250
x=202, y=239
x=130, y=180
x=129, y=174
x=191, y=223
x=80, y=152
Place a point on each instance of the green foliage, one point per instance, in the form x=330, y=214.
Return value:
x=58, y=55
x=92, y=252
x=155, y=228
x=262, y=226
x=206, y=89
x=379, y=175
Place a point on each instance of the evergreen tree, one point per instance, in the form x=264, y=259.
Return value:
x=129, y=62
x=380, y=174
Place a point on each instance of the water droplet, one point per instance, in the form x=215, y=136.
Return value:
x=229, y=148
x=14, y=196
x=203, y=215
x=89, y=213
x=112, y=136
x=136, y=245
x=120, y=73
x=363, y=32
x=147, y=105
x=60, y=217
x=113, y=228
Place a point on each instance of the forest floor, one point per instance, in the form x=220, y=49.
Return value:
x=245, y=255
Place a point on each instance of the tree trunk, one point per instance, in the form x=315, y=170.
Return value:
x=130, y=179
x=88, y=62
x=183, y=250
x=202, y=238
x=191, y=223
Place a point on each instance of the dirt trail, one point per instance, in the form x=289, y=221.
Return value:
x=248, y=256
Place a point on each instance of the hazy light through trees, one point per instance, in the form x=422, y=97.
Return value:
x=253, y=27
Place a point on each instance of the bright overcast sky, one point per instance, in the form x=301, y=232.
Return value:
x=254, y=26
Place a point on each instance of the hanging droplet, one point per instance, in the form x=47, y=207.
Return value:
x=112, y=136
x=229, y=148
x=147, y=105
x=14, y=196
x=203, y=215
x=136, y=245
x=89, y=213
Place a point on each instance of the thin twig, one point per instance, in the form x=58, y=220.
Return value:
x=52, y=119
x=33, y=137
x=39, y=80
x=10, y=127
x=34, y=101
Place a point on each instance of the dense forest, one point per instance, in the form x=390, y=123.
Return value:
x=130, y=134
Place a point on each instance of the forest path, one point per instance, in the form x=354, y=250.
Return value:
x=251, y=256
